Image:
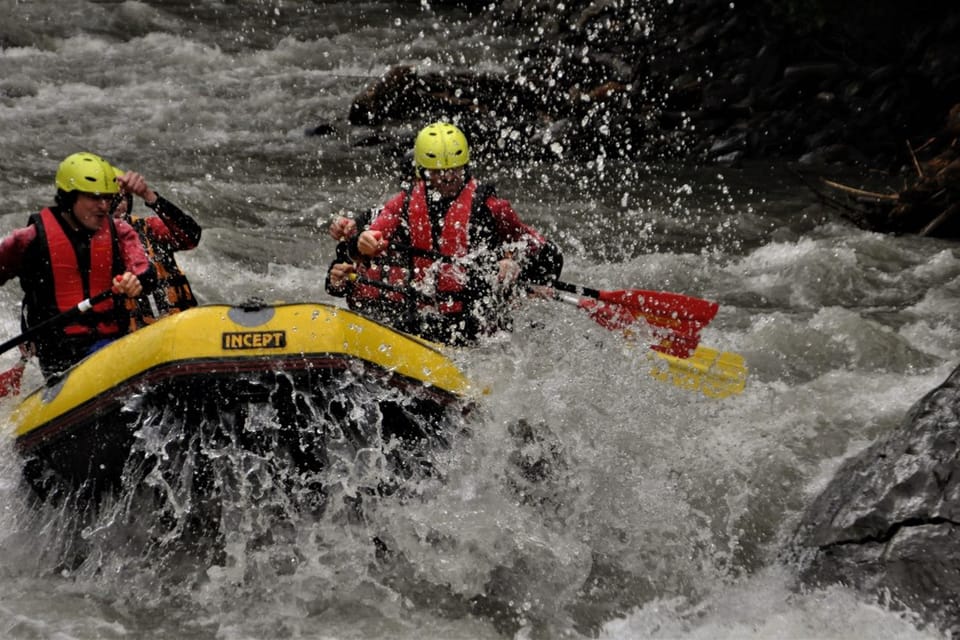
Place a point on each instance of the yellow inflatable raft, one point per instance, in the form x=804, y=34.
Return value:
x=321, y=371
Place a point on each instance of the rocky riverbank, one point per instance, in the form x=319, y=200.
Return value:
x=701, y=80
x=710, y=81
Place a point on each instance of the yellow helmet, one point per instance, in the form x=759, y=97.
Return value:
x=87, y=173
x=440, y=146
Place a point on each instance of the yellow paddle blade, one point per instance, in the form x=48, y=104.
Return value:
x=716, y=374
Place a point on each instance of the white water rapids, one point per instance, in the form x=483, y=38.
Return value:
x=664, y=513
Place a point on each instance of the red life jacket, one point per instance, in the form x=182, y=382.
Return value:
x=443, y=279
x=68, y=282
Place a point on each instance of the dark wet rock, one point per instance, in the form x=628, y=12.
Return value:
x=678, y=80
x=722, y=96
x=830, y=155
x=815, y=73
x=393, y=94
x=888, y=523
x=731, y=159
x=765, y=67
x=320, y=130
x=736, y=142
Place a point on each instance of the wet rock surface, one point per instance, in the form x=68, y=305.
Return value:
x=889, y=521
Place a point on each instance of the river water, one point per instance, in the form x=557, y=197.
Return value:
x=664, y=512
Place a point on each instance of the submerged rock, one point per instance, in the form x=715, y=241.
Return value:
x=888, y=523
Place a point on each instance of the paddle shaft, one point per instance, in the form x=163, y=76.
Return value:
x=49, y=323
x=576, y=288
x=681, y=316
x=637, y=300
x=699, y=371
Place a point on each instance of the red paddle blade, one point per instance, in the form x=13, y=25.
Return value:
x=676, y=319
x=664, y=305
x=609, y=316
x=10, y=380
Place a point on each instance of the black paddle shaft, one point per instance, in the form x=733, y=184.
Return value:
x=576, y=288
x=47, y=324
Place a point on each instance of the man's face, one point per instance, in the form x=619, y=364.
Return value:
x=91, y=210
x=446, y=182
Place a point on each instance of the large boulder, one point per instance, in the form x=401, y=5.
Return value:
x=888, y=523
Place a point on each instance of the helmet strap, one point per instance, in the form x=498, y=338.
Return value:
x=70, y=218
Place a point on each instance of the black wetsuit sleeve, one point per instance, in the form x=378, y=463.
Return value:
x=148, y=280
x=543, y=260
x=177, y=219
x=544, y=266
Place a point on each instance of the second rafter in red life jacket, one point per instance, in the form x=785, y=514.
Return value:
x=439, y=273
x=445, y=279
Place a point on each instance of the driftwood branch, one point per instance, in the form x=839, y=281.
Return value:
x=947, y=213
x=929, y=207
x=926, y=144
x=916, y=163
x=860, y=192
x=855, y=215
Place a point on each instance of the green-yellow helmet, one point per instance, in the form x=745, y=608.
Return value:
x=87, y=173
x=440, y=145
